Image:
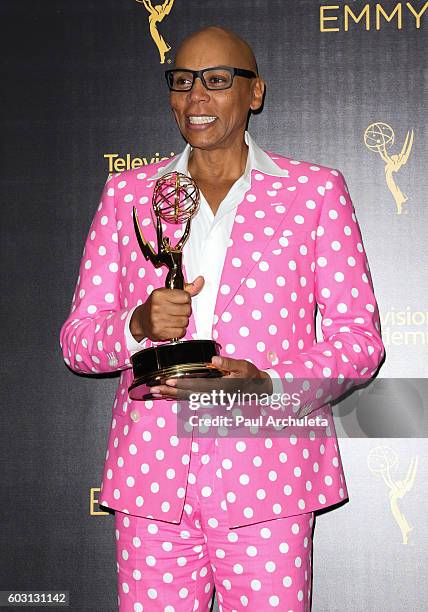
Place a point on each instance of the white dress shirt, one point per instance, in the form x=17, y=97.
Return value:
x=205, y=250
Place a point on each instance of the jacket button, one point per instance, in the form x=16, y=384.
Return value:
x=112, y=360
x=271, y=356
x=135, y=415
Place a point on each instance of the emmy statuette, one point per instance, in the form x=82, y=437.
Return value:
x=175, y=200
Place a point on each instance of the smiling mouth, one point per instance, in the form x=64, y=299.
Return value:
x=200, y=119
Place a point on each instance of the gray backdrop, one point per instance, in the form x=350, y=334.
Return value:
x=83, y=79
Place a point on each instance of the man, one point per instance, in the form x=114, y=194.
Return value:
x=273, y=237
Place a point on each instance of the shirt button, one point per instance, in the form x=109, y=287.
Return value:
x=271, y=356
x=135, y=415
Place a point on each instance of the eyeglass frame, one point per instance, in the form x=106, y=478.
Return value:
x=248, y=74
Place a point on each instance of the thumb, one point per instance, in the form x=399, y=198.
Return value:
x=195, y=287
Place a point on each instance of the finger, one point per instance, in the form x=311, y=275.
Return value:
x=195, y=287
x=193, y=385
x=163, y=391
x=206, y=385
x=177, y=296
x=168, y=333
x=174, y=309
x=172, y=321
x=235, y=366
x=169, y=327
x=169, y=392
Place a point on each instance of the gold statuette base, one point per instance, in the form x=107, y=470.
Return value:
x=180, y=359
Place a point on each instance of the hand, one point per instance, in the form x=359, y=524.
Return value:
x=165, y=314
x=240, y=375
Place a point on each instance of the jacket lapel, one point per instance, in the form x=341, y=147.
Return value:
x=258, y=218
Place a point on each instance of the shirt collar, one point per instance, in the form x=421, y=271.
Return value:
x=257, y=159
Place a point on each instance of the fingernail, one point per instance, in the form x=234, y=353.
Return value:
x=154, y=390
x=172, y=382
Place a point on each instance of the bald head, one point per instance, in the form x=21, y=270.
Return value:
x=211, y=119
x=217, y=46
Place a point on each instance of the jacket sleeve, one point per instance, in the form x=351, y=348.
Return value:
x=352, y=347
x=93, y=337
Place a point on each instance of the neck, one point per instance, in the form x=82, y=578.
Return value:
x=219, y=165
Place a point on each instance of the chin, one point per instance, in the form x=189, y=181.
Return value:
x=200, y=141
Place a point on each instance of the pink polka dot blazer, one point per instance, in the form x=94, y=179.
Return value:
x=295, y=244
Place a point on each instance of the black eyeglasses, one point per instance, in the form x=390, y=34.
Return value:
x=218, y=77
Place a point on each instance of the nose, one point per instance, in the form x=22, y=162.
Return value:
x=198, y=91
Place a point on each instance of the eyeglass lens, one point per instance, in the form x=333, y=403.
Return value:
x=214, y=79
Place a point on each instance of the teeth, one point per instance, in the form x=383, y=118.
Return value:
x=199, y=120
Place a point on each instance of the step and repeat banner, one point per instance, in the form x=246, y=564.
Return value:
x=85, y=95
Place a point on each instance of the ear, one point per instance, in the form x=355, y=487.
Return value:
x=257, y=94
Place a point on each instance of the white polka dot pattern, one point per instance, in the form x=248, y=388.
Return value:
x=92, y=338
x=174, y=567
x=305, y=249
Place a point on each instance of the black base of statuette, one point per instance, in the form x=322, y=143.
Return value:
x=187, y=358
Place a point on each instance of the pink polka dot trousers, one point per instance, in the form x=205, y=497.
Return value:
x=174, y=568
